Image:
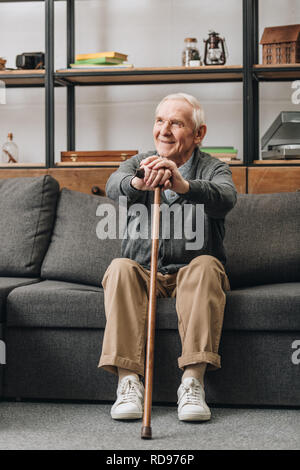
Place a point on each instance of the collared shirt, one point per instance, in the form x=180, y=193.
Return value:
x=185, y=171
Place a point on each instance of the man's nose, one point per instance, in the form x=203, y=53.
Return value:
x=166, y=128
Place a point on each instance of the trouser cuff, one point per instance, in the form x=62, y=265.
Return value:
x=111, y=364
x=213, y=360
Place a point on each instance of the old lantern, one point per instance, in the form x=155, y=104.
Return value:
x=215, y=49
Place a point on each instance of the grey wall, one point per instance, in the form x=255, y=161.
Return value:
x=151, y=32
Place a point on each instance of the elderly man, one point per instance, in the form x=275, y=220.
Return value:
x=196, y=278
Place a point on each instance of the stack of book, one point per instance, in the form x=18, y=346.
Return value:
x=226, y=154
x=100, y=60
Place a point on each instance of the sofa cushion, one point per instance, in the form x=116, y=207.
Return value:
x=27, y=211
x=75, y=253
x=266, y=307
x=7, y=284
x=56, y=304
x=59, y=304
x=262, y=239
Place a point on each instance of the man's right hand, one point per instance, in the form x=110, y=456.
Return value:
x=152, y=179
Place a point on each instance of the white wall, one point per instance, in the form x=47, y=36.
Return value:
x=151, y=32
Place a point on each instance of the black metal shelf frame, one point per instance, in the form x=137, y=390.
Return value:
x=250, y=84
x=49, y=81
x=249, y=77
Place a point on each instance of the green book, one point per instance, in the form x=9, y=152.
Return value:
x=219, y=149
x=100, y=60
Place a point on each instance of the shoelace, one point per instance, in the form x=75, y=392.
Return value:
x=129, y=390
x=192, y=394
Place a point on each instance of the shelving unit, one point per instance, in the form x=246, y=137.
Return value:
x=250, y=74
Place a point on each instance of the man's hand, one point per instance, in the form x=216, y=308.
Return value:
x=162, y=171
x=153, y=177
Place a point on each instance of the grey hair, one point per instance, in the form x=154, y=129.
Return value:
x=198, y=112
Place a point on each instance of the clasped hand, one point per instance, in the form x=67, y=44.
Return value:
x=161, y=172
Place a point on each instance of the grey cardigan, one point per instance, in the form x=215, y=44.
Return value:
x=210, y=185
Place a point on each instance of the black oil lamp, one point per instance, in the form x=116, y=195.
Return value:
x=215, y=49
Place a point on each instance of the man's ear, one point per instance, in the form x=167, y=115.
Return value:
x=200, y=134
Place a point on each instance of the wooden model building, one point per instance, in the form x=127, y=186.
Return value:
x=281, y=44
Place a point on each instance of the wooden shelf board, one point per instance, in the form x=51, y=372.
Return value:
x=132, y=75
x=26, y=1
x=85, y=164
x=277, y=162
x=152, y=74
x=21, y=1
x=23, y=77
x=284, y=71
x=22, y=165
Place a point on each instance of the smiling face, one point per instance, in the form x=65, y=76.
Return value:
x=174, y=131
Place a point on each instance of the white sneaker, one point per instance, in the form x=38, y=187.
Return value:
x=130, y=399
x=191, y=401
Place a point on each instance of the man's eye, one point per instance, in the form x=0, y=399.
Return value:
x=177, y=124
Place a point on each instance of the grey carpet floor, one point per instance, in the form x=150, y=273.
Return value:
x=27, y=425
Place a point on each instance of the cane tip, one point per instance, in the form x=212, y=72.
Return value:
x=146, y=432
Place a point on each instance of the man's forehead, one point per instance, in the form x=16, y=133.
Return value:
x=178, y=108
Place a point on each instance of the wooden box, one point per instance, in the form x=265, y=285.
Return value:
x=281, y=45
x=97, y=156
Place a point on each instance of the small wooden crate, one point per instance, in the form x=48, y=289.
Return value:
x=97, y=156
x=281, y=45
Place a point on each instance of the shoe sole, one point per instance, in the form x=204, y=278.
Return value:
x=126, y=415
x=193, y=417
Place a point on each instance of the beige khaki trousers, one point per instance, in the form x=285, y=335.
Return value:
x=200, y=291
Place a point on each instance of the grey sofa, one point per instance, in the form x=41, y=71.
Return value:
x=52, y=311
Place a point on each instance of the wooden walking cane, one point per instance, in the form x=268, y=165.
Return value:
x=146, y=432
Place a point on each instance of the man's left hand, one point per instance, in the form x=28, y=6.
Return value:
x=178, y=183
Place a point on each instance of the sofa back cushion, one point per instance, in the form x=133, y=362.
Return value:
x=262, y=239
x=27, y=212
x=76, y=253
